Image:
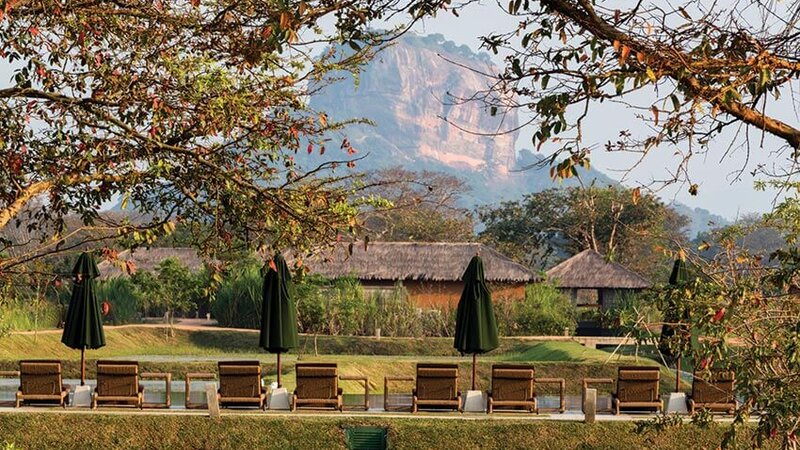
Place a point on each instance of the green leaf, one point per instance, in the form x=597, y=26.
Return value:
x=651, y=75
x=676, y=104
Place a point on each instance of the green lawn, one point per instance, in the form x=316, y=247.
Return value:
x=127, y=341
x=245, y=431
x=191, y=351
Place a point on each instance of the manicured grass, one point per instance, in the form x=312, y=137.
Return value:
x=198, y=351
x=97, y=431
x=128, y=341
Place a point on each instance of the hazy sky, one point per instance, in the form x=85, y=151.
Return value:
x=720, y=190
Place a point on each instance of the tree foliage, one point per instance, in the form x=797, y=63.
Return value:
x=549, y=225
x=171, y=288
x=744, y=315
x=188, y=111
x=688, y=70
x=417, y=206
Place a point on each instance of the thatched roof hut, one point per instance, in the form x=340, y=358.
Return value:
x=430, y=272
x=418, y=261
x=589, y=270
x=148, y=258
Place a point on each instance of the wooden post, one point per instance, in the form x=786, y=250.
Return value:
x=279, y=369
x=83, y=366
x=474, y=359
x=589, y=405
x=213, y=401
x=678, y=375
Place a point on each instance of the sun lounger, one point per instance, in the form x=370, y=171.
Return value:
x=40, y=384
x=118, y=384
x=512, y=387
x=240, y=384
x=317, y=386
x=713, y=391
x=437, y=386
x=637, y=388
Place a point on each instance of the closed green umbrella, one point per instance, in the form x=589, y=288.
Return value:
x=278, y=315
x=476, y=328
x=672, y=315
x=83, y=327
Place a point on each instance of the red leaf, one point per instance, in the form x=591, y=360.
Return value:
x=310, y=148
x=272, y=265
x=719, y=315
x=130, y=267
x=322, y=150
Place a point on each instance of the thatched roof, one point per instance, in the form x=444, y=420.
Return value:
x=424, y=261
x=590, y=270
x=148, y=258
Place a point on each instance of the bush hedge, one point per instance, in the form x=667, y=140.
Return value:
x=342, y=307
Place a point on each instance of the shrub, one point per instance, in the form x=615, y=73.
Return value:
x=545, y=311
x=629, y=315
x=311, y=307
x=440, y=322
x=395, y=314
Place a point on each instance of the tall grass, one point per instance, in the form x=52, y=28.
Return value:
x=238, y=300
x=126, y=306
x=17, y=314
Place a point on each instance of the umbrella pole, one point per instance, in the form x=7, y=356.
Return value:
x=279, y=369
x=83, y=366
x=678, y=375
x=474, y=358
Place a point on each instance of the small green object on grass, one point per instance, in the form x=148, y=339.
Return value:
x=366, y=438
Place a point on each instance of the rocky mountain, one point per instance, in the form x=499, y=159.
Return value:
x=413, y=93
x=409, y=90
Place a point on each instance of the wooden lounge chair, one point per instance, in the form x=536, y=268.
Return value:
x=437, y=386
x=512, y=386
x=40, y=384
x=714, y=392
x=317, y=386
x=118, y=384
x=240, y=384
x=638, y=388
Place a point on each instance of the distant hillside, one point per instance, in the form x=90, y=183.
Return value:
x=700, y=220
